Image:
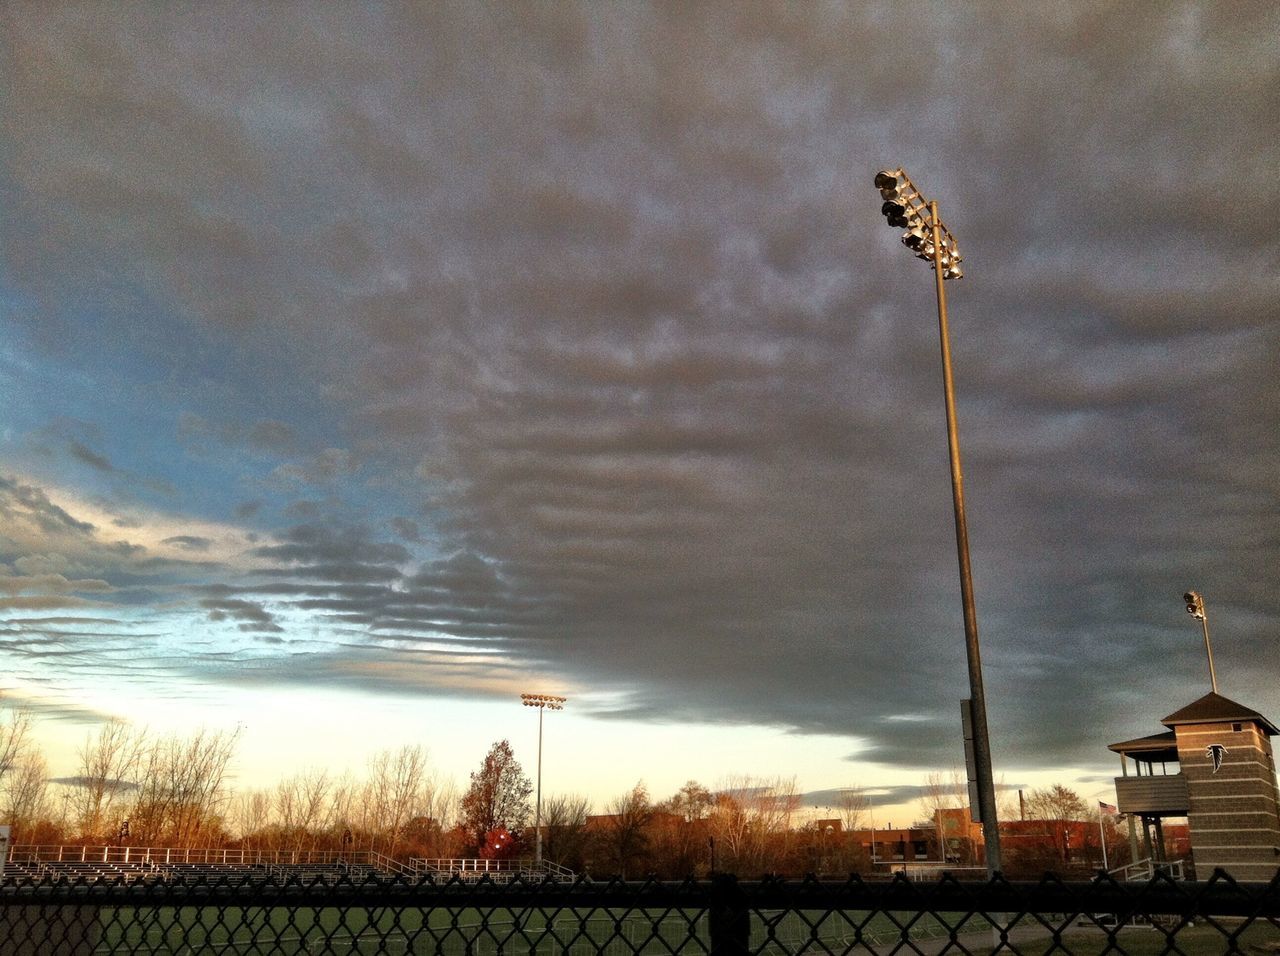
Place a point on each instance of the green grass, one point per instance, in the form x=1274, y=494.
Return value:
x=190, y=930
x=1200, y=939
x=465, y=932
x=598, y=932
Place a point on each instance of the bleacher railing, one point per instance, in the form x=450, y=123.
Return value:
x=473, y=869
x=211, y=856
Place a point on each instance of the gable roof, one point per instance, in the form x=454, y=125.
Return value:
x=1214, y=708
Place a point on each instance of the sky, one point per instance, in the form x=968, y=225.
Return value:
x=364, y=366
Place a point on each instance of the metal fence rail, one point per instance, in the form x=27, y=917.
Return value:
x=716, y=917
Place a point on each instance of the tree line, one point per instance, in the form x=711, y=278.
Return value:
x=136, y=788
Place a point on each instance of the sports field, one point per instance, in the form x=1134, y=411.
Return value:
x=188, y=931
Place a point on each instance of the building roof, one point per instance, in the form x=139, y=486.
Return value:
x=1214, y=708
x=1158, y=748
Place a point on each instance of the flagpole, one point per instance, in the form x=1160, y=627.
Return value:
x=1102, y=838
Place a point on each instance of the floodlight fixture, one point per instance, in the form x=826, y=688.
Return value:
x=1195, y=604
x=915, y=237
x=549, y=701
x=905, y=207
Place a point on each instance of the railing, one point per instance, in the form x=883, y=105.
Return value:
x=210, y=856
x=926, y=871
x=1148, y=869
x=438, y=868
x=716, y=917
x=387, y=865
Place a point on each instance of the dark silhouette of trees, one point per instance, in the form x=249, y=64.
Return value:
x=681, y=834
x=498, y=795
x=564, y=830
x=624, y=839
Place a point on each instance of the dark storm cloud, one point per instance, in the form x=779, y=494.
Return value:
x=251, y=616
x=312, y=544
x=609, y=282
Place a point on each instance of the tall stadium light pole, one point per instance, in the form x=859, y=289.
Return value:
x=542, y=702
x=928, y=237
x=1195, y=607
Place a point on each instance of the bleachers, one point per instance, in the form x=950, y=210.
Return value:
x=132, y=864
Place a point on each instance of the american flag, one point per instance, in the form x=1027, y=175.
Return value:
x=1108, y=807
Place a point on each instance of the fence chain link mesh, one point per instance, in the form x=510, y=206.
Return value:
x=314, y=914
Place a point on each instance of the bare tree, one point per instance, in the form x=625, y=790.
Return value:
x=691, y=802
x=564, y=822
x=300, y=803
x=27, y=795
x=181, y=787
x=943, y=794
x=15, y=732
x=624, y=838
x=752, y=822
x=106, y=775
x=681, y=831
x=440, y=801
x=1056, y=807
x=730, y=821
x=943, y=791
x=852, y=806
x=396, y=791
x=250, y=815
x=345, y=816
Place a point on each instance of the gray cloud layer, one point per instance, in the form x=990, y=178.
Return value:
x=573, y=330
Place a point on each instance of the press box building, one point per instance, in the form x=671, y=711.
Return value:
x=1216, y=768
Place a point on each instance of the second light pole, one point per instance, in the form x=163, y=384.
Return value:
x=1195, y=607
x=542, y=702
x=926, y=235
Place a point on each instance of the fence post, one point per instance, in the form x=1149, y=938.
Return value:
x=728, y=919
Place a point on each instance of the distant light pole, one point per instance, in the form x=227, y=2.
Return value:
x=1195, y=607
x=542, y=702
x=928, y=237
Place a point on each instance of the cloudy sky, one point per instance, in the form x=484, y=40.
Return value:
x=365, y=366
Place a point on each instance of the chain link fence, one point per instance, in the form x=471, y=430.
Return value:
x=717, y=917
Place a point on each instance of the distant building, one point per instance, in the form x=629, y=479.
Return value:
x=888, y=845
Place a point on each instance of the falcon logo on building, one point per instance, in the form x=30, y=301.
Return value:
x=1216, y=752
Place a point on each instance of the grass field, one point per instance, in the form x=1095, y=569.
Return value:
x=598, y=932
x=467, y=932
x=1147, y=941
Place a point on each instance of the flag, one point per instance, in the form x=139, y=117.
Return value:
x=1108, y=807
